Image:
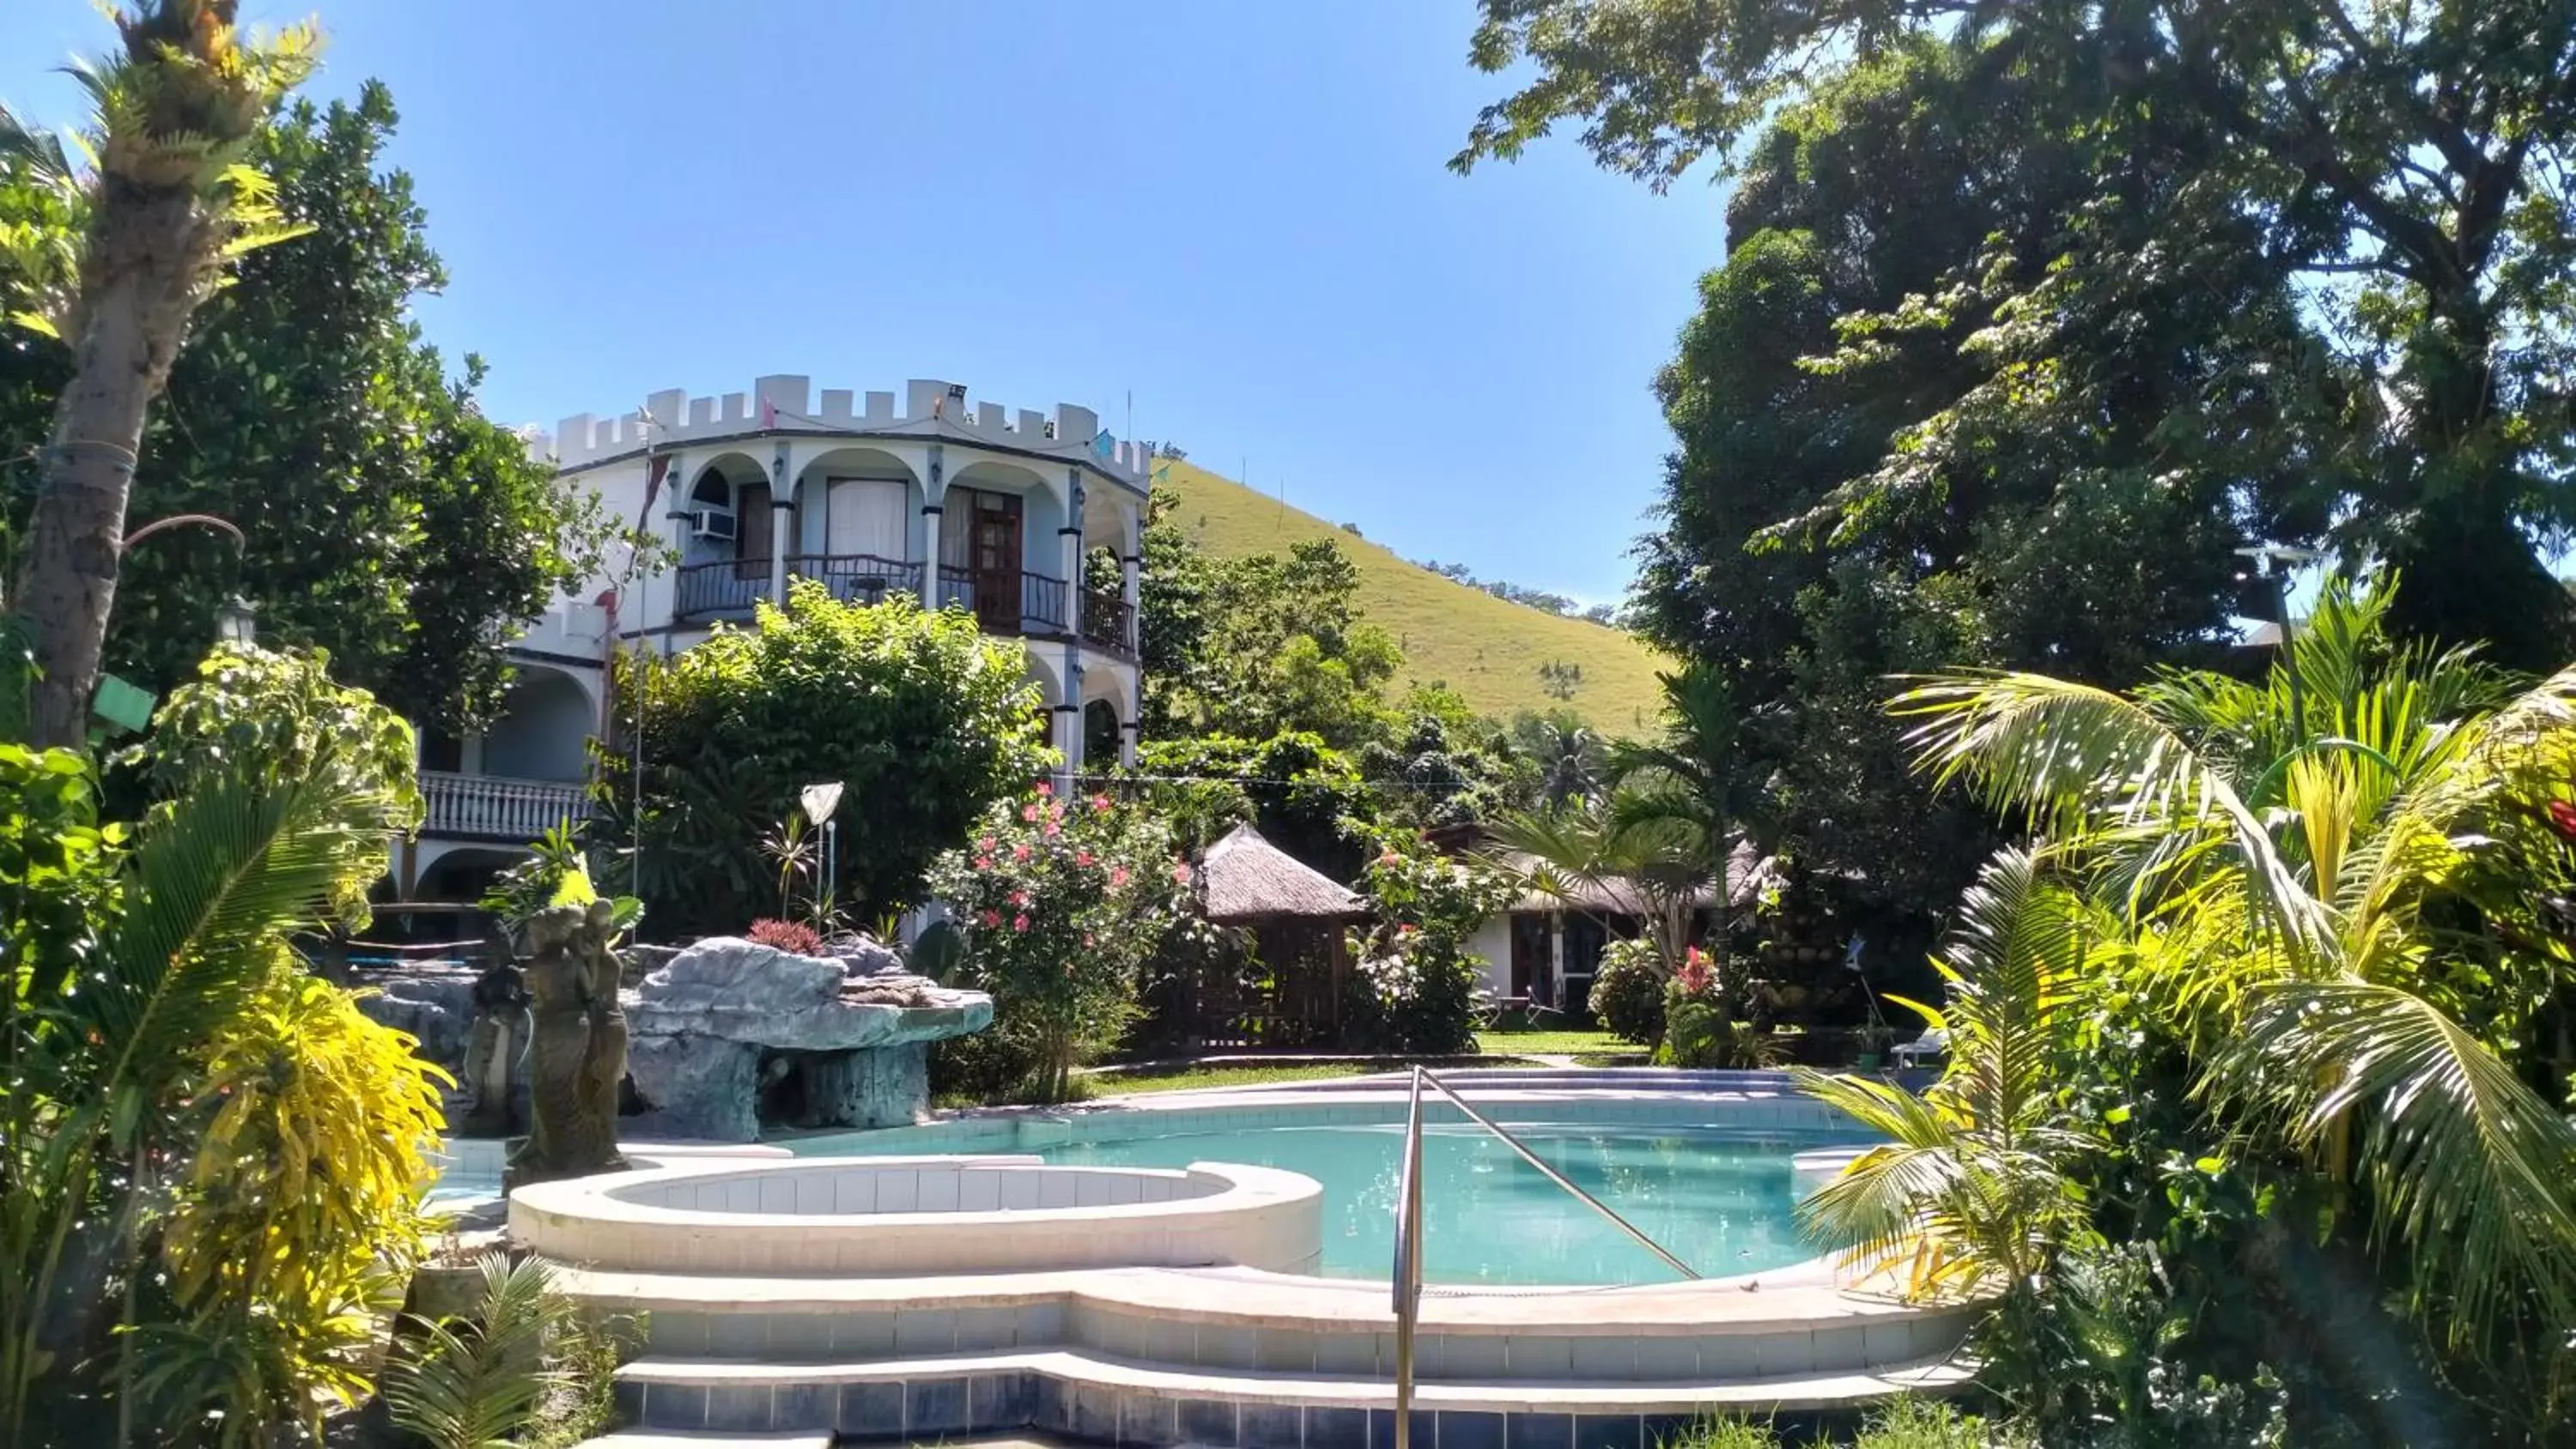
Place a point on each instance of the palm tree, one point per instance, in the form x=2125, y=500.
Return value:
x=1571, y=759
x=1618, y=847
x=1966, y=1198
x=2349, y=924
x=154, y=224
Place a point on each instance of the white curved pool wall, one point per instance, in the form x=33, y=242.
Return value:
x=909, y=1216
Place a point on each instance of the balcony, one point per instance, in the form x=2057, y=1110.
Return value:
x=728, y=589
x=492, y=807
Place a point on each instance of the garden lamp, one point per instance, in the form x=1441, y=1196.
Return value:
x=237, y=621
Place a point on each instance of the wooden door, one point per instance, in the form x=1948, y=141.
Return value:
x=994, y=560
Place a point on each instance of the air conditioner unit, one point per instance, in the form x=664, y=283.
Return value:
x=715, y=525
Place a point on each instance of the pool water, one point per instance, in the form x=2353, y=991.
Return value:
x=1723, y=1202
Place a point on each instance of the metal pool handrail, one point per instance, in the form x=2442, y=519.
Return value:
x=1408, y=1234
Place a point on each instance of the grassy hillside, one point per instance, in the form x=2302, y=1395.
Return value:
x=1484, y=648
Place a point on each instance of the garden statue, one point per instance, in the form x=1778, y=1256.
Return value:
x=500, y=1034
x=576, y=1047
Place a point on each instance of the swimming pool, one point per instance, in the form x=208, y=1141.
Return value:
x=1722, y=1200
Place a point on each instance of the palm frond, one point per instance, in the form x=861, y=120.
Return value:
x=480, y=1384
x=2082, y=762
x=2470, y=1167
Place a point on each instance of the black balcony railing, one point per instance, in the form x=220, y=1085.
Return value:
x=723, y=589
x=859, y=578
x=1042, y=605
x=1109, y=624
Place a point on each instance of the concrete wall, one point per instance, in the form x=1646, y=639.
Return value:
x=545, y=729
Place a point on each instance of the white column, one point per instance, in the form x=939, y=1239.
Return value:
x=1127, y=731
x=1556, y=961
x=1069, y=537
x=933, y=497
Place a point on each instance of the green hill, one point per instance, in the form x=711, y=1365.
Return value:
x=1488, y=650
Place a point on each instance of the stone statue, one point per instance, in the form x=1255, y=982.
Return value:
x=576, y=1046
x=500, y=1034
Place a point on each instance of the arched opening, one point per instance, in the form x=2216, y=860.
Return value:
x=725, y=547
x=856, y=518
x=990, y=558
x=1099, y=735
x=544, y=730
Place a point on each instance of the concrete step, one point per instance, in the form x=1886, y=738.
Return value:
x=1093, y=1396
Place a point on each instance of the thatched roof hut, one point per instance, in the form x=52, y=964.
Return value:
x=1244, y=880
x=1282, y=979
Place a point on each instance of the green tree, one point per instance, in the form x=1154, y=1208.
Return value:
x=155, y=223
x=2405, y=164
x=385, y=519
x=925, y=723
x=2350, y=925
x=1258, y=646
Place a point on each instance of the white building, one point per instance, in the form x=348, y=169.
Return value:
x=967, y=506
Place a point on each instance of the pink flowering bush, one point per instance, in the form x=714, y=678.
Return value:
x=1422, y=980
x=1057, y=904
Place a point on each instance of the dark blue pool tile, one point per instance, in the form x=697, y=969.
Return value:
x=1608, y=1431
x=1148, y=1419
x=1095, y=1413
x=1661, y=1430
x=804, y=1407
x=871, y=1409
x=1382, y=1429
x=675, y=1406
x=1336, y=1428
x=1050, y=1404
x=1540, y=1431
x=738, y=1408
x=999, y=1401
x=630, y=1402
x=1465, y=1429
x=934, y=1406
x=1211, y=1422
x=1271, y=1426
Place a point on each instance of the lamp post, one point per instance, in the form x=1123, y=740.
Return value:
x=237, y=621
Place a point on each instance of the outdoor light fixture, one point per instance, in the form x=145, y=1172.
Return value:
x=237, y=621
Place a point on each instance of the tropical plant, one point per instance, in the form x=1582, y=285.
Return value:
x=1057, y=903
x=163, y=1039
x=1968, y=1198
x=793, y=937
x=1633, y=846
x=167, y=203
x=2346, y=916
x=508, y=1374
x=921, y=717
x=1701, y=1028
x=554, y=873
x=1421, y=977
x=1570, y=758
x=1628, y=992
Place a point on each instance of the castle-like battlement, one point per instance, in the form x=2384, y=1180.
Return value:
x=785, y=404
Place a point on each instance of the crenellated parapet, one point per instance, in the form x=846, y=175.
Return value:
x=788, y=404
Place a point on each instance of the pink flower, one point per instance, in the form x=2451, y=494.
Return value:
x=1082, y=857
x=1406, y=929
x=1019, y=852
x=1019, y=898
x=1180, y=872
x=1045, y=789
x=991, y=918
x=983, y=862
x=1086, y=940
x=985, y=845
x=1117, y=876
x=1020, y=922
x=1029, y=813
x=1100, y=804
x=1390, y=858
x=1053, y=830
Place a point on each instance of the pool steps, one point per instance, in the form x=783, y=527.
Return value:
x=1049, y=1350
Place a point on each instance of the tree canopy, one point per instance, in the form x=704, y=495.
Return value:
x=2403, y=169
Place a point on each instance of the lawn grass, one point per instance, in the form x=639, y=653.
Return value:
x=1199, y=1078
x=1487, y=650
x=1525, y=1042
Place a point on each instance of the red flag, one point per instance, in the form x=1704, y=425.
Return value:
x=768, y=414
x=655, y=470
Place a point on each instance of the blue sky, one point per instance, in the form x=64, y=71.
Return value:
x=1240, y=212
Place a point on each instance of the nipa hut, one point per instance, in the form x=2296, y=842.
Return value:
x=1281, y=983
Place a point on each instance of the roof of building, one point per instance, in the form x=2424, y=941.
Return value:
x=1244, y=878
x=1621, y=897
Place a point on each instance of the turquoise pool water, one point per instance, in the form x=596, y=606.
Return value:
x=1722, y=1201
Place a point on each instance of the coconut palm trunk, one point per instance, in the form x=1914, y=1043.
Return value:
x=151, y=229
x=141, y=284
